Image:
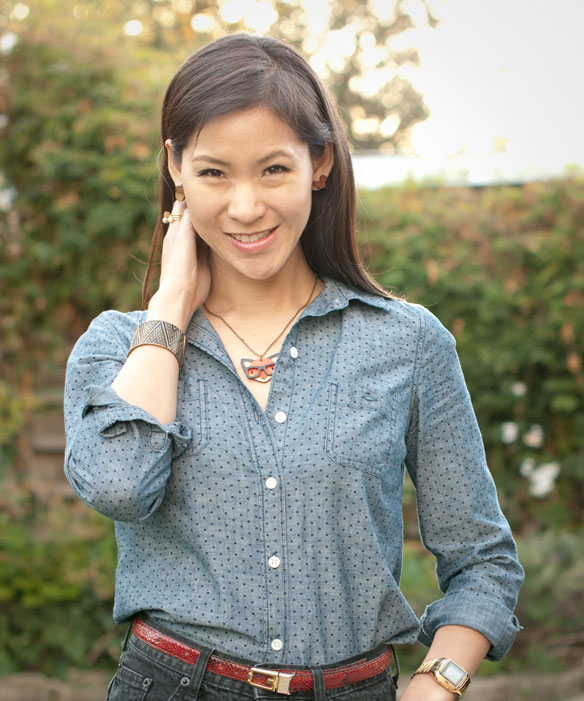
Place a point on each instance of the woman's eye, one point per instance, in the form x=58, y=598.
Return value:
x=211, y=172
x=275, y=169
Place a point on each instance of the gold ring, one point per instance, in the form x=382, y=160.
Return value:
x=168, y=218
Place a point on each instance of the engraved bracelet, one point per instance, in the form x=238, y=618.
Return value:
x=160, y=333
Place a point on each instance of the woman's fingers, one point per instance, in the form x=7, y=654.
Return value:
x=185, y=259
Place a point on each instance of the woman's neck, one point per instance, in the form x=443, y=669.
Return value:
x=245, y=298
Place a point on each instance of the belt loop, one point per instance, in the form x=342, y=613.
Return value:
x=199, y=671
x=394, y=676
x=318, y=682
x=127, y=636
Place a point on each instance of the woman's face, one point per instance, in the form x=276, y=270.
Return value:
x=248, y=179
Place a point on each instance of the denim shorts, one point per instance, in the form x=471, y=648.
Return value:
x=147, y=674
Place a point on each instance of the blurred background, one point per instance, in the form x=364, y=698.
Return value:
x=465, y=118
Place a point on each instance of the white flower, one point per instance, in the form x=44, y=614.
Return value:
x=543, y=479
x=8, y=41
x=519, y=389
x=7, y=197
x=526, y=467
x=534, y=437
x=509, y=431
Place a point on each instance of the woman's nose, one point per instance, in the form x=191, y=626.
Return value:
x=246, y=204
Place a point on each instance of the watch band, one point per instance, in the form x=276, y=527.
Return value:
x=160, y=333
x=446, y=673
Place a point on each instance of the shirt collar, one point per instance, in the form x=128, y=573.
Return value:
x=334, y=296
x=337, y=295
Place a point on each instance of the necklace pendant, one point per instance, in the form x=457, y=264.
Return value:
x=260, y=369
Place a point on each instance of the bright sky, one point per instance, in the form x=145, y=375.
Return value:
x=503, y=75
x=502, y=78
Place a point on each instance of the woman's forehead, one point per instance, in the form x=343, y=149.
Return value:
x=255, y=130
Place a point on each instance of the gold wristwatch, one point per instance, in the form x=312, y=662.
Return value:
x=447, y=673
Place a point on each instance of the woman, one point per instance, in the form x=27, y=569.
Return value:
x=256, y=483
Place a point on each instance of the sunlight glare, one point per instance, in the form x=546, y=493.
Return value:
x=384, y=10
x=389, y=125
x=317, y=14
x=364, y=127
x=8, y=41
x=261, y=17
x=20, y=11
x=233, y=11
x=202, y=22
x=133, y=28
x=415, y=9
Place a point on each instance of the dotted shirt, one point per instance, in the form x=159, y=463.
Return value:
x=278, y=536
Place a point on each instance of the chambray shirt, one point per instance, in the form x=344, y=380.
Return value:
x=278, y=536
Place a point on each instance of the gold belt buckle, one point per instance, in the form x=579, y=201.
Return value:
x=275, y=681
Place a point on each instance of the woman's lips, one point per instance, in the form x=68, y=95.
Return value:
x=253, y=242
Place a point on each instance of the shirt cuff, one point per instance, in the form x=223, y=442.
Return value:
x=114, y=412
x=488, y=616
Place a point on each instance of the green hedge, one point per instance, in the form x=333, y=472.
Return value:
x=78, y=154
x=502, y=268
x=57, y=564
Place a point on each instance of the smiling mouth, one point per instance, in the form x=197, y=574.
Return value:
x=249, y=238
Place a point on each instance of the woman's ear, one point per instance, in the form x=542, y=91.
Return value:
x=324, y=163
x=173, y=163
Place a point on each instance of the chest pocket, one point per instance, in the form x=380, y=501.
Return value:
x=361, y=430
x=192, y=411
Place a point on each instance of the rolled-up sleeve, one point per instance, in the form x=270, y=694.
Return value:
x=460, y=520
x=118, y=456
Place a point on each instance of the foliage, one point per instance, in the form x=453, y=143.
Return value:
x=81, y=166
x=550, y=608
x=78, y=150
x=551, y=603
x=56, y=583
x=379, y=109
x=14, y=409
x=502, y=269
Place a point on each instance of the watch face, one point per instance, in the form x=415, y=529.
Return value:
x=453, y=673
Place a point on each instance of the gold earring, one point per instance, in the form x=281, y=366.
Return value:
x=319, y=184
x=179, y=193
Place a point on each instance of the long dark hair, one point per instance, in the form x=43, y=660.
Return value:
x=241, y=71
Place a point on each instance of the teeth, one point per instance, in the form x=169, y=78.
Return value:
x=253, y=237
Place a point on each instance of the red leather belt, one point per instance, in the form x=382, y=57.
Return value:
x=281, y=681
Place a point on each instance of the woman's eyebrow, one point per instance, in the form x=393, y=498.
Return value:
x=210, y=159
x=279, y=153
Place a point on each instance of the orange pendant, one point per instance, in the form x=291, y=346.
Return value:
x=261, y=369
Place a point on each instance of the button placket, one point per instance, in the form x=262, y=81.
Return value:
x=267, y=439
x=276, y=420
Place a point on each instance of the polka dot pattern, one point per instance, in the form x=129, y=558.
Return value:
x=206, y=506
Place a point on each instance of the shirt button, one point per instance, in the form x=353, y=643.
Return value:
x=271, y=483
x=274, y=562
x=280, y=417
x=277, y=644
x=294, y=352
